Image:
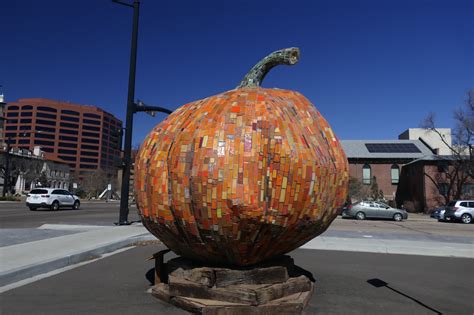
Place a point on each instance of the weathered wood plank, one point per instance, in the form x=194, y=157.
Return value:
x=161, y=291
x=279, y=290
x=185, y=288
x=269, y=275
x=204, y=275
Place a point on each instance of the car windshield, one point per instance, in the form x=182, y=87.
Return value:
x=38, y=191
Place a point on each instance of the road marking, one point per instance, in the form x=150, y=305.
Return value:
x=368, y=236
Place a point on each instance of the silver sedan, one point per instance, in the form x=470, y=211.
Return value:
x=374, y=209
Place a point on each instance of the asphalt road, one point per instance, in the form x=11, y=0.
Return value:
x=117, y=285
x=17, y=215
x=417, y=227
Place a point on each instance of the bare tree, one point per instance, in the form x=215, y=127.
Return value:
x=458, y=169
x=94, y=183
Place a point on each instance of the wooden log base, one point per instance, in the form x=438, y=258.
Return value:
x=263, y=289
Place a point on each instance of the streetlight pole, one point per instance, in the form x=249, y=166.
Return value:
x=132, y=108
x=123, y=218
x=6, y=177
x=6, y=174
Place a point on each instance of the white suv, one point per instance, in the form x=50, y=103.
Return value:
x=460, y=210
x=51, y=198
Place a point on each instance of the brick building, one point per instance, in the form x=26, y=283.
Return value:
x=424, y=184
x=2, y=123
x=382, y=160
x=85, y=137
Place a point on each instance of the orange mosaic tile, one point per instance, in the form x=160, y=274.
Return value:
x=241, y=176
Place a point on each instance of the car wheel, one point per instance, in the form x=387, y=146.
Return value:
x=360, y=216
x=466, y=218
x=397, y=217
x=55, y=206
x=32, y=208
x=76, y=205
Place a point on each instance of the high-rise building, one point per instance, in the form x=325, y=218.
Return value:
x=2, y=112
x=85, y=137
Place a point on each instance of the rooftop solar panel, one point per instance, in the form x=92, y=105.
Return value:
x=392, y=148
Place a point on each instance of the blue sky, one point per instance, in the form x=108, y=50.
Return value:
x=372, y=68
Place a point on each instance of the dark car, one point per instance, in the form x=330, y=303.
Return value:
x=374, y=209
x=438, y=213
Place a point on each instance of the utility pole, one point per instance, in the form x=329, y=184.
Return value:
x=131, y=109
x=6, y=177
x=123, y=218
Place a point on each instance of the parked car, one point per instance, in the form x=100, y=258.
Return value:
x=438, y=213
x=460, y=210
x=347, y=205
x=51, y=198
x=374, y=209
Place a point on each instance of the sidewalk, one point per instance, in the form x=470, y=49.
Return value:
x=29, y=258
x=25, y=260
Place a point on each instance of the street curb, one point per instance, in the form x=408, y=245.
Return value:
x=26, y=272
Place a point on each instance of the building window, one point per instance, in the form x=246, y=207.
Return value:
x=67, y=131
x=64, y=151
x=42, y=115
x=68, y=118
x=89, y=153
x=85, y=127
x=442, y=167
x=67, y=158
x=43, y=142
x=25, y=121
x=68, y=125
x=45, y=122
x=443, y=189
x=91, y=115
x=47, y=109
x=90, y=134
x=366, y=174
x=70, y=112
x=27, y=107
x=68, y=138
x=27, y=114
x=91, y=121
x=89, y=147
x=47, y=129
x=67, y=145
x=395, y=173
x=90, y=140
x=88, y=166
x=88, y=160
x=12, y=114
x=468, y=190
x=12, y=107
x=44, y=136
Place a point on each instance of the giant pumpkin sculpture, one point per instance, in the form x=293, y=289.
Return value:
x=241, y=176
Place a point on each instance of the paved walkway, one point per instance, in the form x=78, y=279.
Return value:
x=25, y=254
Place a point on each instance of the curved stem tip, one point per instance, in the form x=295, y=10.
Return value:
x=287, y=56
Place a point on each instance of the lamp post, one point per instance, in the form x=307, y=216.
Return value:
x=6, y=174
x=6, y=177
x=132, y=108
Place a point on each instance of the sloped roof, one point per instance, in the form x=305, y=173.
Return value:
x=358, y=149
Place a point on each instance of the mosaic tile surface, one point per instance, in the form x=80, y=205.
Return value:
x=240, y=177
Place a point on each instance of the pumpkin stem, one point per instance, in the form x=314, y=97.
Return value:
x=287, y=56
